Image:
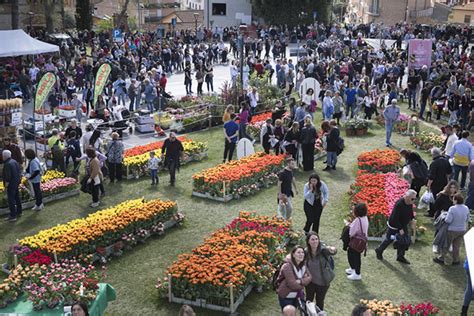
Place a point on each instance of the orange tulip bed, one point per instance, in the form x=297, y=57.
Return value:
x=386, y=160
x=243, y=254
x=121, y=226
x=239, y=178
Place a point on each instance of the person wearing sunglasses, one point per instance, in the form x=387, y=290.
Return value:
x=402, y=214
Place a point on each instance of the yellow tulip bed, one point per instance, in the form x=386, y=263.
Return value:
x=136, y=158
x=122, y=225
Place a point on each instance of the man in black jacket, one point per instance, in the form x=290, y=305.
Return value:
x=332, y=143
x=397, y=224
x=172, y=152
x=11, y=180
x=438, y=175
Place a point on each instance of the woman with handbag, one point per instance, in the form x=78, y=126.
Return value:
x=321, y=268
x=293, y=277
x=358, y=232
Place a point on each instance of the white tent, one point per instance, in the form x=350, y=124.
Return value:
x=18, y=43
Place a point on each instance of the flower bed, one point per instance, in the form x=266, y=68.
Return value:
x=401, y=126
x=256, y=124
x=380, y=191
x=52, y=183
x=427, y=140
x=51, y=284
x=231, y=261
x=136, y=158
x=238, y=178
x=385, y=160
x=387, y=307
x=123, y=226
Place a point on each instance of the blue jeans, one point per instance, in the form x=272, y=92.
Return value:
x=411, y=97
x=14, y=202
x=287, y=301
x=351, y=108
x=331, y=158
x=121, y=99
x=388, y=132
x=154, y=176
x=463, y=170
x=468, y=291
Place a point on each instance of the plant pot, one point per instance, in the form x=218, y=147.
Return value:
x=350, y=132
x=361, y=131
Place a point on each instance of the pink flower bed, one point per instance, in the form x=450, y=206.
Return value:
x=58, y=185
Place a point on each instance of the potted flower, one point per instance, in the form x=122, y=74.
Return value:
x=356, y=127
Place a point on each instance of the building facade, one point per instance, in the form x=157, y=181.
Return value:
x=390, y=12
x=223, y=13
x=462, y=13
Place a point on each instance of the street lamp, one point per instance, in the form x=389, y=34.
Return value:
x=196, y=17
x=30, y=15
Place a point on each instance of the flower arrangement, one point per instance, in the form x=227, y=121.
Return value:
x=11, y=287
x=386, y=160
x=257, y=122
x=387, y=307
x=380, y=191
x=241, y=177
x=242, y=254
x=357, y=123
x=401, y=126
x=101, y=229
x=36, y=257
x=136, y=158
x=427, y=140
x=421, y=309
x=50, y=284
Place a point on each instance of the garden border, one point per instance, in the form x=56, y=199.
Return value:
x=109, y=250
x=46, y=199
x=234, y=305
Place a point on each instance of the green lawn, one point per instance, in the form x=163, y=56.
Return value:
x=134, y=274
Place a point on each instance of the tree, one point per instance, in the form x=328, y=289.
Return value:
x=83, y=15
x=121, y=16
x=294, y=12
x=15, y=15
x=48, y=7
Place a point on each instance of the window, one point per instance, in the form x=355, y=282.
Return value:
x=467, y=19
x=374, y=7
x=219, y=9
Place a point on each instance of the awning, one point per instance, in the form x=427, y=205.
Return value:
x=21, y=44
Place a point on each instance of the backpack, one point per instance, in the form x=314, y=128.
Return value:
x=420, y=170
x=359, y=241
x=56, y=151
x=340, y=145
x=277, y=278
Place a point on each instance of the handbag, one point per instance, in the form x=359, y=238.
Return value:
x=85, y=187
x=327, y=269
x=358, y=242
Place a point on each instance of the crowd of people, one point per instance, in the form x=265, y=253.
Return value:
x=357, y=81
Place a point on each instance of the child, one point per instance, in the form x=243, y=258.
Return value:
x=284, y=207
x=153, y=164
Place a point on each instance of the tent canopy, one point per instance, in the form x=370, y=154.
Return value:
x=18, y=43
